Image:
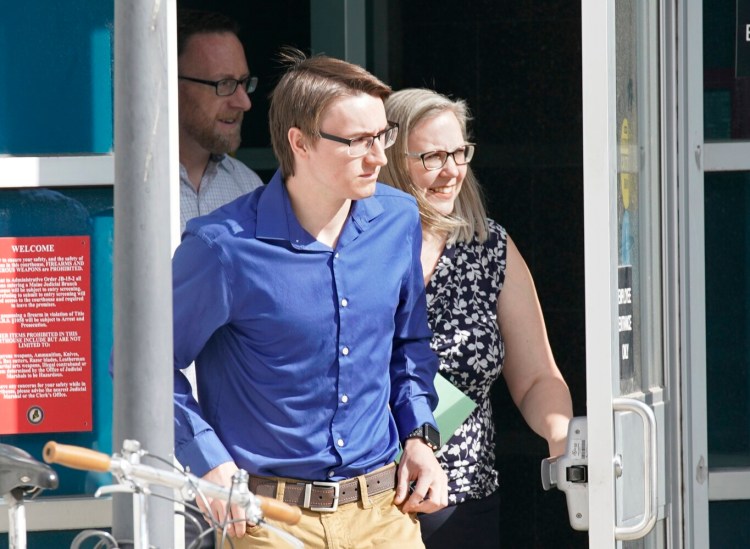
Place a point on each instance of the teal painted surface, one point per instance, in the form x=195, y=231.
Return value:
x=50, y=540
x=84, y=211
x=56, y=70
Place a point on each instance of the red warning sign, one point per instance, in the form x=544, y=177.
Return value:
x=45, y=334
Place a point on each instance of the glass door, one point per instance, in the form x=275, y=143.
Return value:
x=717, y=175
x=629, y=413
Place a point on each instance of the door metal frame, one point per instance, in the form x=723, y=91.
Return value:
x=599, y=184
x=673, y=330
x=690, y=240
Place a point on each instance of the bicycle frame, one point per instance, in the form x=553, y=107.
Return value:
x=135, y=477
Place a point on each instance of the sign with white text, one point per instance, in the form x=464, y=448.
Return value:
x=625, y=320
x=45, y=334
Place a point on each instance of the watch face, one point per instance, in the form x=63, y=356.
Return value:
x=432, y=436
x=428, y=434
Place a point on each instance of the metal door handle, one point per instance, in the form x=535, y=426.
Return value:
x=645, y=525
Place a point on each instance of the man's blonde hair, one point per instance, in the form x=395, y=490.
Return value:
x=306, y=90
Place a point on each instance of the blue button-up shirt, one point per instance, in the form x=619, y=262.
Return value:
x=311, y=362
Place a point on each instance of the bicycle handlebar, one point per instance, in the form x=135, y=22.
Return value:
x=76, y=457
x=86, y=459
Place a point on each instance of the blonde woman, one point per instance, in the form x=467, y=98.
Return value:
x=483, y=310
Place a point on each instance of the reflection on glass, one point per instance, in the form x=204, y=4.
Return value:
x=727, y=237
x=638, y=297
x=726, y=71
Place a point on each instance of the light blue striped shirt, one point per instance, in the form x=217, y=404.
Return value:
x=225, y=179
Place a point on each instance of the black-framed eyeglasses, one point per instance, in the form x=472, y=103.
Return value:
x=359, y=146
x=227, y=86
x=434, y=160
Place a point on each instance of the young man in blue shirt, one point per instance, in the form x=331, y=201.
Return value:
x=303, y=307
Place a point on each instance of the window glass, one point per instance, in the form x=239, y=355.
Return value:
x=727, y=237
x=726, y=68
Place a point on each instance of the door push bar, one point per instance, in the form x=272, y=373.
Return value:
x=569, y=472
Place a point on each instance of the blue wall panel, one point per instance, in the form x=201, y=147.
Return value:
x=56, y=69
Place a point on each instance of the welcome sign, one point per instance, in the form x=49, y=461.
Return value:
x=45, y=334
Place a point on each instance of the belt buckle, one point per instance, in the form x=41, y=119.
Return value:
x=308, y=491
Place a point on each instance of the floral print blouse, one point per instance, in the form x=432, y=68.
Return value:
x=462, y=307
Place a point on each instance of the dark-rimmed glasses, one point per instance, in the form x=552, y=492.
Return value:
x=360, y=146
x=227, y=86
x=434, y=160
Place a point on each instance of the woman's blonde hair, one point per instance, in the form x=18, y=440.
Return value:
x=408, y=108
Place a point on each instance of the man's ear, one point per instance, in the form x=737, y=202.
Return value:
x=298, y=141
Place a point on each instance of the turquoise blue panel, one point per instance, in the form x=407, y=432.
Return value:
x=56, y=68
x=63, y=212
x=51, y=540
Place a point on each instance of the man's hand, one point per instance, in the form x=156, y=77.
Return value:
x=222, y=475
x=430, y=492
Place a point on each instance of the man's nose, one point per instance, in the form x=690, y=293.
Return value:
x=376, y=154
x=240, y=99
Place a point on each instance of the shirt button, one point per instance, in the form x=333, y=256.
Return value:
x=344, y=302
x=331, y=473
x=340, y=442
x=344, y=399
x=336, y=255
x=345, y=351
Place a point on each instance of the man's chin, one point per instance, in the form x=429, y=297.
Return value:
x=366, y=191
x=223, y=146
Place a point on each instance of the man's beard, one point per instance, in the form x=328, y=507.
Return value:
x=212, y=140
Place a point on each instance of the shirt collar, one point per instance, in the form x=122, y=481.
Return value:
x=276, y=219
x=217, y=159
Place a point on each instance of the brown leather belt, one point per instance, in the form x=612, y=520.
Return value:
x=321, y=496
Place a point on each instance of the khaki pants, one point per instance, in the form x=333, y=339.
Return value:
x=372, y=522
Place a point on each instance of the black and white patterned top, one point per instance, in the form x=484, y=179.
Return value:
x=462, y=308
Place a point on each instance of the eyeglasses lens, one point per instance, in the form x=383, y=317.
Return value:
x=437, y=159
x=251, y=84
x=229, y=85
x=360, y=147
x=226, y=87
x=389, y=137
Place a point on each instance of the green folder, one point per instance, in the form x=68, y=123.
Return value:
x=452, y=410
x=453, y=407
